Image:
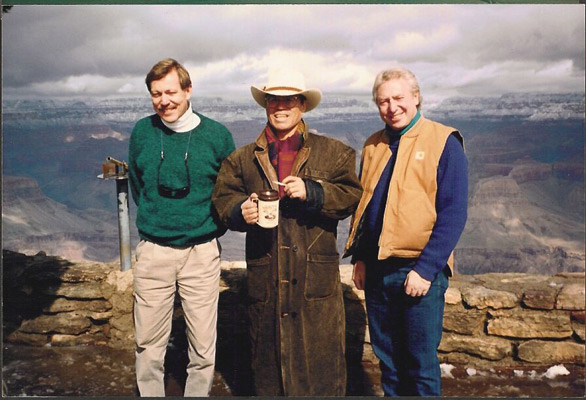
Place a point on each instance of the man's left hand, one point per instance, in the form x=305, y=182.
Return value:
x=415, y=285
x=295, y=188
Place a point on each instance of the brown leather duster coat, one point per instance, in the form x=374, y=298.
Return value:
x=296, y=309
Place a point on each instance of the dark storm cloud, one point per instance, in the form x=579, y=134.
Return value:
x=104, y=49
x=44, y=43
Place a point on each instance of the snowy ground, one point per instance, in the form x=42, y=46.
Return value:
x=101, y=371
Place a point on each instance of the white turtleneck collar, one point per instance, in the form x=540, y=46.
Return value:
x=188, y=121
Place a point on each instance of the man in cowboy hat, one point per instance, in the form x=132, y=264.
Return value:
x=296, y=309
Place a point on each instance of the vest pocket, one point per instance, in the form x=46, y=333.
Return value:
x=416, y=218
x=258, y=279
x=322, y=276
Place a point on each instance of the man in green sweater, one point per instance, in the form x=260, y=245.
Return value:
x=174, y=158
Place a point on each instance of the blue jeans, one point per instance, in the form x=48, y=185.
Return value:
x=405, y=331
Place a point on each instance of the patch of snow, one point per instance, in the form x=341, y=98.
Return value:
x=447, y=370
x=556, y=371
x=518, y=373
x=112, y=134
x=470, y=371
x=15, y=219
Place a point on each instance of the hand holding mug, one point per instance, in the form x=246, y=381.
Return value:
x=250, y=209
x=268, y=208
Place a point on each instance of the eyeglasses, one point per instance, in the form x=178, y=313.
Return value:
x=287, y=101
x=169, y=192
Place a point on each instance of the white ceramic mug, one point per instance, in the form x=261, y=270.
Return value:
x=268, y=208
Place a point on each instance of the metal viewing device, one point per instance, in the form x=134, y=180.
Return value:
x=118, y=171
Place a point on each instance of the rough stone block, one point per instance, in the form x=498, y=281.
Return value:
x=76, y=340
x=90, y=290
x=544, y=352
x=122, y=302
x=22, y=303
x=367, y=335
x=368, y=355
x=571, y=275
x=346, y=271
x=84, y=273
x=512, y=282
x=61, y=304
x=223, y=285
x=97, y=316
x=543, y=298
x=481, y=298
x=124, y=323
x=470, y=361
x=118, y=282
x=579, y=330
x=359, y=294
x=528, y=324
x=68, y=323
x=489, y=348
x=233, y=278
x=121, y=340
x=571, y=297
x=32, y=339
x=54, y=271
x=579, y=316
x=350, y=291
x=453, y=296
x=465, y=322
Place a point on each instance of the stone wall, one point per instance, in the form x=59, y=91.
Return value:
x=51, y=300
x=491, y=320
x=512, y=319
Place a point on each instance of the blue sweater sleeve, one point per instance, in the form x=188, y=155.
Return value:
x=451, y=207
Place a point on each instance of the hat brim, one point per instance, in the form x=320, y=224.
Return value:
x=312, y=96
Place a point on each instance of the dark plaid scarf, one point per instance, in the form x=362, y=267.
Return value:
x=282, y=153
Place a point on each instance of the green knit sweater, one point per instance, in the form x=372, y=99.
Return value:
x=180, y=221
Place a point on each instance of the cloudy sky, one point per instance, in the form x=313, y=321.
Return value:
x=454, y=49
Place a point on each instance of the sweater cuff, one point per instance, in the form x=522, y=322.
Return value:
x=314, y=196
x=426, y=272
x=236, y=221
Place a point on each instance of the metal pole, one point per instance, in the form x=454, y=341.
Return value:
x=123, y=223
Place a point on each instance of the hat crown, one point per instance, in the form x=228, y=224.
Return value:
x=285, y=79
x=286, y=82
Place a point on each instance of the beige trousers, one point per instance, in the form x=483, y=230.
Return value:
x=195, y=272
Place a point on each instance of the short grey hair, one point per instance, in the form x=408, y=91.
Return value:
x=397, y=73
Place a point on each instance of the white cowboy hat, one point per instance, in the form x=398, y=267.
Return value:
x=286, y=82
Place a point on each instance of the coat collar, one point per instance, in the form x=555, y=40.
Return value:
x=414, y=130
x=262, y=155
x=392, y=132
x=262, y=143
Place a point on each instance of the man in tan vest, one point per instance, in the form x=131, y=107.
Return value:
x=409, y=219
